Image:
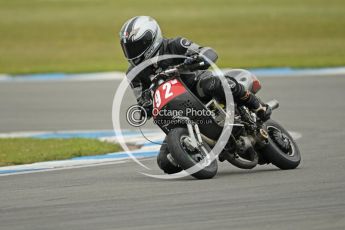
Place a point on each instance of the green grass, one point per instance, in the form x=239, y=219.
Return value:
x=82, y=35
x=28, y=150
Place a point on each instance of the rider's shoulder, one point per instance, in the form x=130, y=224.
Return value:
x=179, y=41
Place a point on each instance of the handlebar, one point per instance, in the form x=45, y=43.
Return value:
x=167, y=72
x=172, y=70
x=177, y=68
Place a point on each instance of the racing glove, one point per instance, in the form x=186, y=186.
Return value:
x=146, y=103
x=194, y=61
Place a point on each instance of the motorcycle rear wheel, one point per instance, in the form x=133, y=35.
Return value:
x=282, y=150
x=186, y=159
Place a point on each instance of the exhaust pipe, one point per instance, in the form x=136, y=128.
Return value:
x=274, y=104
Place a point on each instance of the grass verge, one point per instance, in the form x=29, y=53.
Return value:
x=15, y=151
x=82, y=35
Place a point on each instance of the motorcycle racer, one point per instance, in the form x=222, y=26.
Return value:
x=141, y=39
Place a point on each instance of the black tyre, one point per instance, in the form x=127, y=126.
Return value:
x=244, y=163
x=163, y=162
x=282, y=150
x=187, y=159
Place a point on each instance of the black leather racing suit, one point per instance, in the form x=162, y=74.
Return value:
x=201, y=82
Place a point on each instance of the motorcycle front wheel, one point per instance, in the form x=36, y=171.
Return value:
x=187, y=159
x=163, y=160
x=282, y=150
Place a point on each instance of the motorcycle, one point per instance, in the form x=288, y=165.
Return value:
x=190, y=136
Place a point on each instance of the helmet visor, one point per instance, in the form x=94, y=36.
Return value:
x=134, y=49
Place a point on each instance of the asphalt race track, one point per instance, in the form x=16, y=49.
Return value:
x=119, y=197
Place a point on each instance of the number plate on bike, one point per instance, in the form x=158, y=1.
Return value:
x=166, y=92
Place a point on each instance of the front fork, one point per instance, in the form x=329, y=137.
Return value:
x=194, y=141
